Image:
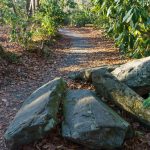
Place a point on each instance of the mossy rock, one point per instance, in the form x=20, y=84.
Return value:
x=110, y=88
x=37, y=116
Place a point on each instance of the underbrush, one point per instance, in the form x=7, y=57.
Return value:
x=8, y=56
x=25, y=25
x=80, y=18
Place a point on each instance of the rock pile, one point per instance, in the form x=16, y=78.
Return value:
x=87, y=119
x=135, y=74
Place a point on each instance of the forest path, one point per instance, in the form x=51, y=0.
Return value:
x=87, y=48
x=79, y=49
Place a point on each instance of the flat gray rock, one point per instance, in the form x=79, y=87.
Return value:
x=37, y=116
x=90, y=122
x=135, y=74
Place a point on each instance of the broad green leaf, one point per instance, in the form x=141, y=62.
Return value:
x=128, y=15
x=109, y=11
x=146, y=103
x=129, y=18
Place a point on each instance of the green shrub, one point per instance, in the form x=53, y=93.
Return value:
x=146, y=102
x=80, y=15
x=48, y=18
x=80, y=18
x=16, y=17
x=43, y=23
x=128, y=22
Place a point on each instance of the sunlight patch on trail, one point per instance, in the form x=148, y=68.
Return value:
x=89, y=48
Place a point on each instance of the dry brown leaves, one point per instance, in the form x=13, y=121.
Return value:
x=19, y=80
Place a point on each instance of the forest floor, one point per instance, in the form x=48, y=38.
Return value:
x=77, y=48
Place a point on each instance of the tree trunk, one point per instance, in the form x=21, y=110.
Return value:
x=111, y=88
x=32, y=6
x=36, y=4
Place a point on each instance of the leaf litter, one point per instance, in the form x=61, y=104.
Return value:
x=19, y=80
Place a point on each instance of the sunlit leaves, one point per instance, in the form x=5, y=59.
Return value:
x=127, y=18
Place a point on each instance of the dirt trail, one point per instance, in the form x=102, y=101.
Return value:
x=80, y=46
x=88, y=48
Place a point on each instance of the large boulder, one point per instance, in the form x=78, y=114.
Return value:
x=112, y=89
x=135, y=74
x=90, y=122
x=86, y=74
x=37, y=116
